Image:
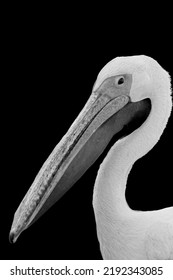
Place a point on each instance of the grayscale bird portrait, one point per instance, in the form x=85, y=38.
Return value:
x=90, y=130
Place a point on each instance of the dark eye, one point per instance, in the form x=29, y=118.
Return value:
x=119, y=80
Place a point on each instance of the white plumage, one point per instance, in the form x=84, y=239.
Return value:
x=122, y=232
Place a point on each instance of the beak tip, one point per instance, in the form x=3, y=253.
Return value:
x=12, y=238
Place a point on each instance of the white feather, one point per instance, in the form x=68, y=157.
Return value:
x=122, y=232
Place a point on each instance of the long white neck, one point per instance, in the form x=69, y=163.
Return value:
x=109, y=191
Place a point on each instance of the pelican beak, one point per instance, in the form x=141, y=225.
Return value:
x=104, y=114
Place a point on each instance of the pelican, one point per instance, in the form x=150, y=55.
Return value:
x=120, y=92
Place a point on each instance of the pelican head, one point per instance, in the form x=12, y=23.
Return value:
x=119, y=94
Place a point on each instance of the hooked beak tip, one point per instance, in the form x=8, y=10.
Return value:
x=12, y=237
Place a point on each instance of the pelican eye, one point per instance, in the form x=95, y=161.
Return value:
x=119, y=80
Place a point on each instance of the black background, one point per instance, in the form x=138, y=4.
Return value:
x=50, y=69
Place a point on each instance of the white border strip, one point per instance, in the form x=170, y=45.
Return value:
x=61, y=269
